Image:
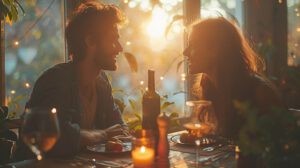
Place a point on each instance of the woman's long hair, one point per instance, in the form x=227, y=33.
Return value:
x=225, y=40
x=233, y=59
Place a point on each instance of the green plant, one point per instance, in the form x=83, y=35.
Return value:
x=273, y=136
x=134, y=119
x=9, y=10
x=14, y=105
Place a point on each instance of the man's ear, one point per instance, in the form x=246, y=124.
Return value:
x=89, y=42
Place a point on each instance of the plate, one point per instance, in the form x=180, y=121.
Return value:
x=205, y=141
x=100, y=148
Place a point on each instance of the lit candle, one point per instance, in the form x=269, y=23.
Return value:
x=143, y=157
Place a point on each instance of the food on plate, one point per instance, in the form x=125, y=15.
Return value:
x=187, y=138
x=113, y=146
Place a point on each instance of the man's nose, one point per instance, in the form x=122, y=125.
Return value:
x=119, y=47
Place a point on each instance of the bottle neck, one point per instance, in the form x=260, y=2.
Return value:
x=151, y=81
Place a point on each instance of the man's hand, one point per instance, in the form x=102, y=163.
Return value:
x=89, y=137
x=118, y=131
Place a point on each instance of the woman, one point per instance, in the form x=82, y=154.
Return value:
x=231, y=71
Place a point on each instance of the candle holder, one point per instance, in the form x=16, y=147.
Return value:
x=143, y=149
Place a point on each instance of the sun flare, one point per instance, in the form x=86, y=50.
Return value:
x=158, y=23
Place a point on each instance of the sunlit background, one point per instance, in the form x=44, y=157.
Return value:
x=36, y=43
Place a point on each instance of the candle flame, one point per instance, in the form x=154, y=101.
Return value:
x=197, y=125
x=143, y=149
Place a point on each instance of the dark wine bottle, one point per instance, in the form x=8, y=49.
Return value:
x=151, y=108
x=151, y=105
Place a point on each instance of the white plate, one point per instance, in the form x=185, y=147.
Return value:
x=100, y=148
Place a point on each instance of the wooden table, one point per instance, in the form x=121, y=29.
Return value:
x=178, y=159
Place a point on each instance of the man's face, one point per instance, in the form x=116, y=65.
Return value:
x=106, y=49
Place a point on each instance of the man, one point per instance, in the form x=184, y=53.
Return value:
x=80, y=89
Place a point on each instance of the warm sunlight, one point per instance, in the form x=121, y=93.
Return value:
x=158, y=23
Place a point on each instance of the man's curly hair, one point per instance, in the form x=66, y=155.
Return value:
x=90, y=17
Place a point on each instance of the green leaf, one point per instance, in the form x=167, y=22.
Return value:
x=114, y=91
x=131, y=59
x=138, y=127
x=120, y=103
x=179, y=92
x=6, y=2
x=175, y=18
x=166, y=104
x=132, y=103
x=9, y=10
x=174, y=115
x=14, y=12
x=138, y=116
x=165, y=96
x=20, y=6
x=133, y=123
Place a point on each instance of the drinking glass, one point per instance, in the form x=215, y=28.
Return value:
x=40, y=129
x=201, y=121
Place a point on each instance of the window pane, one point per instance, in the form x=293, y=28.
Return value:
x=145, y=37
x=228, y=8
x=293, y=32
x=32, y=44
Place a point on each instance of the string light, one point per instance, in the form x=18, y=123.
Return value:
x=298, y=14
x=286, y=147
x=142, y=82
x=128, y=43
x=132, y=4
x=126, y=1
x=27, y=85
x=161, y=78
x=298, y=29
x=16, y=43
x=53, y=110
x=280, y=1
x=183, y=75
x=146, y=89
x=13, y=92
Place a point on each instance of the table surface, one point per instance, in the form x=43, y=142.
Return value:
x=177, y=159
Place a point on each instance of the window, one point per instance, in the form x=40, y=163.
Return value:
x=32, y=44
x=228, y=8
x=293, y=32
x=145, y=37
x=36, y=42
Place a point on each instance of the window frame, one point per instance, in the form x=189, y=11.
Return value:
x=2, y=63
